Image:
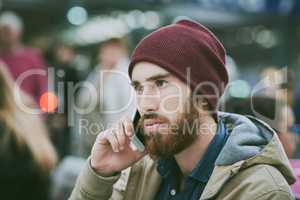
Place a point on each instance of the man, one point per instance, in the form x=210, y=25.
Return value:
x=113, y=93
x=192, y=151
x=21, y=61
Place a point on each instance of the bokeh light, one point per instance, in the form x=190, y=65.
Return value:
x=48, y=102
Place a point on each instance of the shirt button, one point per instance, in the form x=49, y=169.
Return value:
x=173, y=192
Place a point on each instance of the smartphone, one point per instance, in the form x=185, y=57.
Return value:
x=137, y=139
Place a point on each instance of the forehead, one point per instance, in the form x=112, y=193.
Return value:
x=144, y=70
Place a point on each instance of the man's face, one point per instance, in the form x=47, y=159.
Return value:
x=110, y=54
x=9, y=35
x=166, y=110
x=64, y=54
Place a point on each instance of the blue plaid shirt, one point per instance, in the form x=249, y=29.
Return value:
x=195, y=182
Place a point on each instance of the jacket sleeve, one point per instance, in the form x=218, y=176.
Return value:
x=90, y=186
x=276, y=195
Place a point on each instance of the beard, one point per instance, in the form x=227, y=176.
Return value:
x=171, y=138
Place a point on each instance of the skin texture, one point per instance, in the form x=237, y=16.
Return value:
x=163, y=97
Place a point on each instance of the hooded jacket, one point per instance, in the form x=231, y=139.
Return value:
x=251, y=166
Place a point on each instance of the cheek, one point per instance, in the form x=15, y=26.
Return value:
x=172, y=103
x=139, y=99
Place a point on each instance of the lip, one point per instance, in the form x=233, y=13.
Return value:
x=153, y=127
x=152, y=122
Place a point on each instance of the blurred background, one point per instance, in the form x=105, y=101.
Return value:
x=79, y=38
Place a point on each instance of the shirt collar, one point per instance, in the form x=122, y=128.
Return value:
x=205, y=166
x=167, y=166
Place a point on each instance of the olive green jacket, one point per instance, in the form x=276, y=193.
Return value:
x=251, y=166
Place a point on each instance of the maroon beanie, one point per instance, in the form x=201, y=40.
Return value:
x=187, y=46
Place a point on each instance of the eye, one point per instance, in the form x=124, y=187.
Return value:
x=161, y=83
x=138, y=89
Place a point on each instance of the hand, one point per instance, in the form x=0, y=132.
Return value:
x=112, y=151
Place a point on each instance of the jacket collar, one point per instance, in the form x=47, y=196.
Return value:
x=272, y=154
x=220, y=175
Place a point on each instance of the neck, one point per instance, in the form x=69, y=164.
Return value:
x=9, y=48
x=188, y=158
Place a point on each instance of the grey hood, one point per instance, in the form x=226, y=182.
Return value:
x=254, y=142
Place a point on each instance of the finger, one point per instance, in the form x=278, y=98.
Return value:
x=128, y=127
x=112, y=138
x=102, y=138
x=121, y=137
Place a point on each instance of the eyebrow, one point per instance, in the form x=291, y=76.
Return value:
x=152, y=78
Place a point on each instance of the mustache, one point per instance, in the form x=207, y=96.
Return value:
x=150, y=116
x=153, y=116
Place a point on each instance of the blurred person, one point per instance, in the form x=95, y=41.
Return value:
x=19, y=58
x=27, y=156
x=276, y=113
x=192, y=151
x=65, y=56
x=65, y=66
x=280, y=84
x=63, y=59
x=113, y=93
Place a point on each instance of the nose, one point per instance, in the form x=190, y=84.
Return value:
x=148, y=101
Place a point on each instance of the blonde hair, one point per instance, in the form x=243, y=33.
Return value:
x=27, y=129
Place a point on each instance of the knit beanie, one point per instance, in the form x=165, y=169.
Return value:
x=189, y=51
